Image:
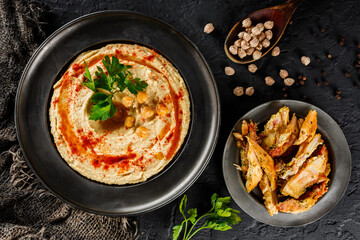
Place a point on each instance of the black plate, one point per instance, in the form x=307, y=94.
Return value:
x=339, y=156
x=44, y=69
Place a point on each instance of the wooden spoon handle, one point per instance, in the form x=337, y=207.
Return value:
x=294, y=3
x=289, y=7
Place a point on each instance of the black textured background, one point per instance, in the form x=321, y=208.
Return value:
x=316, y=30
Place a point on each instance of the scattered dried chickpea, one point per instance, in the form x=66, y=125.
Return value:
x=142, y=97
x=256, y=31
x=265, y=43
x=129, y=121
x=254, y=42
x=269, y=81
x=246, y=22
x=238, y=91
x=242, y=53
x=275, y=52
x=245, y=45
x=209, y=28
x=233, y=49
x=241, y=34
x=259, y=47
x=260, y=26
x=229, y=71
x=147, y=112
x=141, y=132
x=161, y=109
x=256, y=55
x=250, y=51
x=289, y=81
x=261, y=36
x=247, y=37
x=305, y=60
x=248, y=30
x=268, y=34
x=127, y=101
x=283, y=73
x=238, y=43
x=252, y=68
x=249, y=91
x=269, y=24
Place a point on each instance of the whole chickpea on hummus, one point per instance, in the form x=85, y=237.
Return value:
x=144, y=134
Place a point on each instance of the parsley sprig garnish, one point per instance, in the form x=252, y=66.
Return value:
x=220, y=217
x=118, y=78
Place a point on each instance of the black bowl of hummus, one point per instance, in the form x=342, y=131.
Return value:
x=156, y=143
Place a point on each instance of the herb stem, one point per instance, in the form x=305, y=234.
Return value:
x=185, y=220
x=207, y=214
x=195, y=232
x=185, y=229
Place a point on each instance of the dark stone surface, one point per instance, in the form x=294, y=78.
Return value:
x=316, y=31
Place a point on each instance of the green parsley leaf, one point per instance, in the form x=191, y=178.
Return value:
x=88, y=82
x=192, y=215
x=99, y=96
x=233, y=219
x=182, y=205
x=101, y=80
x=214, y=197
x=118, y=73
x=217, y=224
x=176, y=231
x=103, y=110
x=114, y=67
x=135, y=85
x=223, y=213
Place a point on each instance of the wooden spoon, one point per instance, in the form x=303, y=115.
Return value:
x=280, y=15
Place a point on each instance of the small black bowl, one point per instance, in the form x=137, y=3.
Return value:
x=339, y=157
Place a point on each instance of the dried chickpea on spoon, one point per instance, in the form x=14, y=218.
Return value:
x=253, y=39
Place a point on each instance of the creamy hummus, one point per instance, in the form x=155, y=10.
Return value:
x=111, y=151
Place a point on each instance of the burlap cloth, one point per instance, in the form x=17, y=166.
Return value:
x=27, y=209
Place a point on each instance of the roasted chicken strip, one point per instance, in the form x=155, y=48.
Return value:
x=265, y=160
x=313, y=171
x=254, y=172
x=308, y=128
x=244, y=163
x=286, y=139
x=305, y=151
x=269, y=195
x=307, y=201
x=274, y=127
x=247, y=129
